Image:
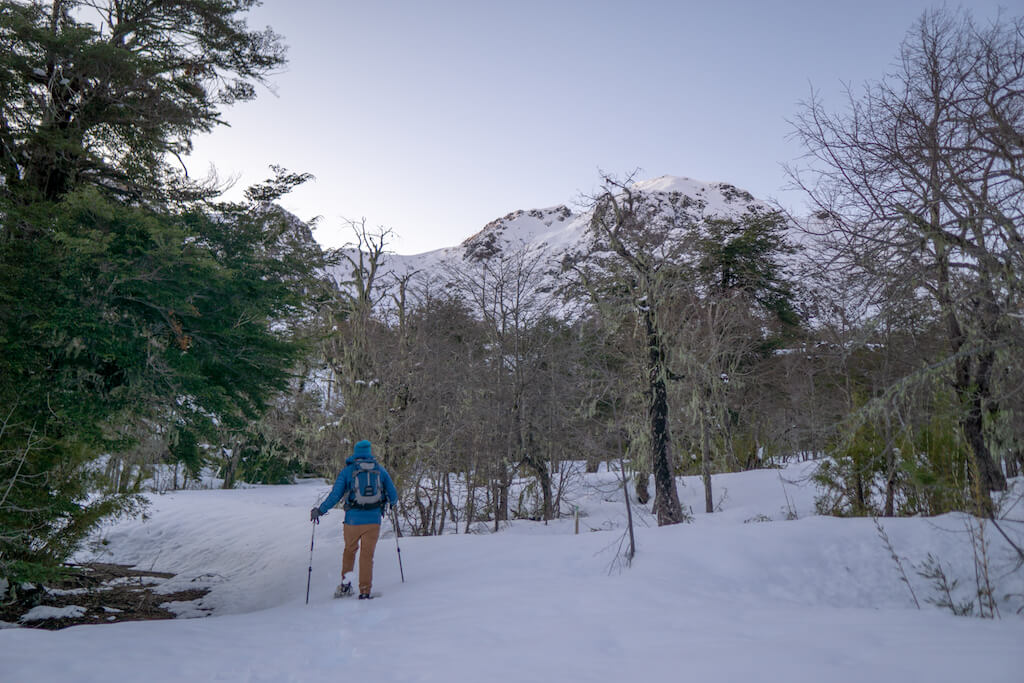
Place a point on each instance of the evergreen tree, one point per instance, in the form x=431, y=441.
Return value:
x=128, y=308
x=108, y=93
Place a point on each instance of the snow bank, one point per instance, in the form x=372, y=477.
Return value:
x=762, y=590
x=44, y=612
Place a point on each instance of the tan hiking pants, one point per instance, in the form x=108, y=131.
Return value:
x=361, y=537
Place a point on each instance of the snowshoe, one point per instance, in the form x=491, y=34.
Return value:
x=343, y=590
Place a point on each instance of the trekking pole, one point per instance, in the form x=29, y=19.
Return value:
x=309, y=576
x=394, y=523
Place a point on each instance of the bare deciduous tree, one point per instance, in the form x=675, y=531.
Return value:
x=920, y=182
x=633, y=255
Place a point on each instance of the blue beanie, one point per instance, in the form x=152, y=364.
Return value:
x=362, y=450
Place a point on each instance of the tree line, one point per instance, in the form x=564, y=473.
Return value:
x=881, y=334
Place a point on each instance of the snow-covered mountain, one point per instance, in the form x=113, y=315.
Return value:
x=546, y=235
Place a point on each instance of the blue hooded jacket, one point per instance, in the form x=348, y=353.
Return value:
x=343, y=483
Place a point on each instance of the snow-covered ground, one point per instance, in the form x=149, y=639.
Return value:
x=746, y=594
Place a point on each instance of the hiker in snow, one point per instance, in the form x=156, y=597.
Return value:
x=366, y=489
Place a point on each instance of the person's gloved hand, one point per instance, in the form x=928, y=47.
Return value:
x=314, y=515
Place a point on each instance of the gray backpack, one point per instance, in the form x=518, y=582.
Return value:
x=367, y=492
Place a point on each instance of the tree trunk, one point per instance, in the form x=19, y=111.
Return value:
x=424, y=514
x=642, y=481
x=631, y=553
x=453, y=510
x=705, y=465
x=1012, y=469
x=974, y=393
x=890, y=485
x=470, y=500
x=501, y=504
x=442, y=507
x=540, y=468
x=891, y=473
x=432, y=507
x=858, y=483
x=494, y=498
x=544, y=480
x=231, y=466
x=666, y=499
x=972, y=384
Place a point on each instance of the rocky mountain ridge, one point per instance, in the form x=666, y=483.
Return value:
x=547, y=235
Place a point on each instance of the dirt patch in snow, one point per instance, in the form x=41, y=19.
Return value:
x=105, y=594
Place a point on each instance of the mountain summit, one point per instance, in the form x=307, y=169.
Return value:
x=549, y=234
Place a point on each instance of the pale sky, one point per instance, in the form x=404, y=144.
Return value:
x=434, y=117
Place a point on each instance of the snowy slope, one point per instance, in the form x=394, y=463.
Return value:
x=546, y=235
x=730, y=597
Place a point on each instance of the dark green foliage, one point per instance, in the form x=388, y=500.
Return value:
x=122, y=316
x=936, y=469
x=104, y=97
x=281, y=184
x=849, y=479
x=264, y=464
x=184, y=450
x=276, y=448
x=926, y=462
x=128, y=310
x=745, y=256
